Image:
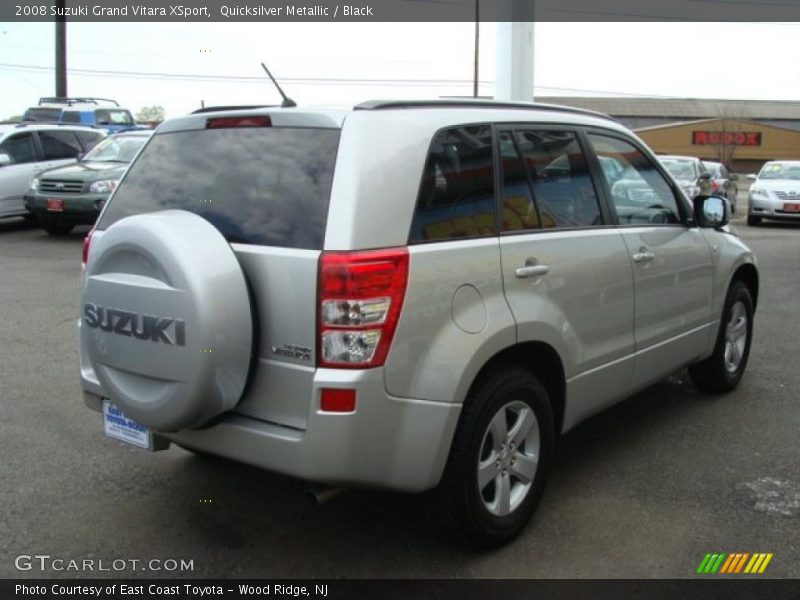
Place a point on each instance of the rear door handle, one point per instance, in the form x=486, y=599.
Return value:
x=643, y=256
x=531, y=271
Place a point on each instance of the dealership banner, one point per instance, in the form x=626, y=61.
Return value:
x=398, y=10
x=402, y=589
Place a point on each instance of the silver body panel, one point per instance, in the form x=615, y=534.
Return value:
x=615, y=325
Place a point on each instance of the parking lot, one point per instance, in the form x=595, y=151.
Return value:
x=642, y=490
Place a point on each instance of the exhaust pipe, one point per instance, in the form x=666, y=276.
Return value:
x=317, y=495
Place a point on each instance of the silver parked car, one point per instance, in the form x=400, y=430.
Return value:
x=775, y=193
x=407, y=295
x=690, y=173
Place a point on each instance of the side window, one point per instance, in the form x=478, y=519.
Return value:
x=639, y=193
x=562, y=187
x=518, y=210
x=456, y=197
x=71, y=116
x=59, y=144
x=89, y=139
x=20, y=148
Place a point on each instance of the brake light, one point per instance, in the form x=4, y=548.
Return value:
x=360, y=295
x=87, y=241
x=226, y=122
x=336, y=400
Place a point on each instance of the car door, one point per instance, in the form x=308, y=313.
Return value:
x=566, y=271
x=672, y=262
x=15, y=177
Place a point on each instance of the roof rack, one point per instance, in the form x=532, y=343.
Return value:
x=474, y=103
x=207, y=109
x=71, y=101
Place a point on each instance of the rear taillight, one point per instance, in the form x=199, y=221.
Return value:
x=228, y=122
x=360, y=295
x=87, y=241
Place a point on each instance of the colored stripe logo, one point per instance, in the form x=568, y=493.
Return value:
x=734, y=563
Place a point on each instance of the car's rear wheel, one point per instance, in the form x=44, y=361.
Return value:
x=753, y=220
x=722, y=371
x=57, y=227
x=498, y=463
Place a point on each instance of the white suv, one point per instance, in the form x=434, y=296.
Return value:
x=28, y=149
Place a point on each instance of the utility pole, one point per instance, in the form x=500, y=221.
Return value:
x=513, y=78
x=477, y=47
x=61, y=51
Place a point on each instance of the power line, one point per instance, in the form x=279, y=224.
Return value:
x=244, y=78
x=309, y=80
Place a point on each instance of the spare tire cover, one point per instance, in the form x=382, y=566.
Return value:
x=166, y=319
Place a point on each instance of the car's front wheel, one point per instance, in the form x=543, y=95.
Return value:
x=722, y=371
x=499, y=459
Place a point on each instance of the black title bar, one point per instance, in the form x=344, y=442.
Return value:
x=403, y=10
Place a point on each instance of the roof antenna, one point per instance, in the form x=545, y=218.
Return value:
x=287, y=102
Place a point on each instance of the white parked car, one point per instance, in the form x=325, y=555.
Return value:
x=27, y=149
x=775, y=193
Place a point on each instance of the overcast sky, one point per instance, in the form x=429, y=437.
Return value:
x=350, y=62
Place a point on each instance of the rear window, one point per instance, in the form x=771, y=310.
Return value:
x=265, y=186
x=113, y=117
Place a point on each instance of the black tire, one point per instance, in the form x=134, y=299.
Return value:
x=753, y=220
x=57, y=227
x=460, y=507
x=714, y=375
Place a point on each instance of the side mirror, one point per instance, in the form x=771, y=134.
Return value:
x=711, y=211
x=751, y=177
x=5, y=159
x=734, y=177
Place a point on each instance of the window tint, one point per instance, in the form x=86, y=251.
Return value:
x=71, y=116
x=639, y=193
x=20, y=148
x=59, y=144
x=89, y=138
x=268, y=186
x=47, y=115
x=518, y=209
x=562, y=188
x=456, y=197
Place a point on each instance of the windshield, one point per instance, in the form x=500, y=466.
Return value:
x=106, y=116
x=713, y=168
x=117, y=149
x=780, y=171
x=679, y=169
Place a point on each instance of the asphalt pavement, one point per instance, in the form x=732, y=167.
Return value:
x=645, y=489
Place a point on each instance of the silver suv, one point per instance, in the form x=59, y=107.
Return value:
x=408, y=296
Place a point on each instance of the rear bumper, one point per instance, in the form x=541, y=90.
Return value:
x=390, y=443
